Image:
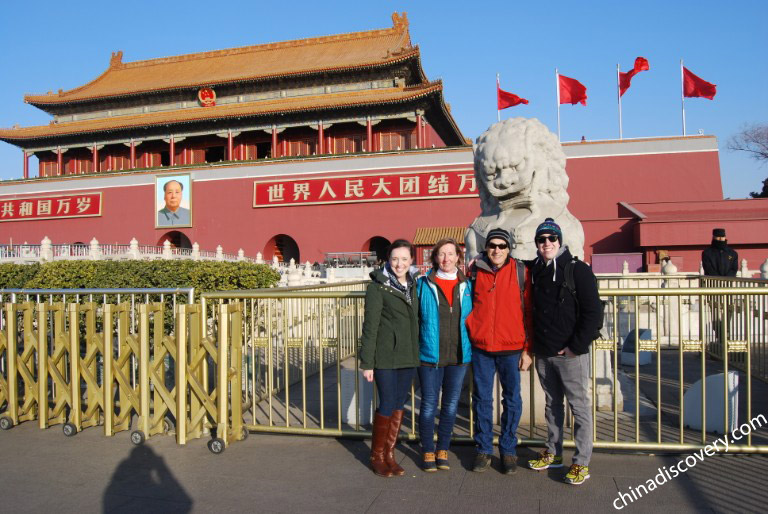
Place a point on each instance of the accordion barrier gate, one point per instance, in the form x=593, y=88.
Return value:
x=226, y=364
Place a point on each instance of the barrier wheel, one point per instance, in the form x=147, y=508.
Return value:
x=137, y=437
x=168, y=425
x=6, y=423
x=244, y=433
x=69, y=429
x=216, y=445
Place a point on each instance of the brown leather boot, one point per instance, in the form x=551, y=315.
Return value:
x=394, y=430
x=379, y=445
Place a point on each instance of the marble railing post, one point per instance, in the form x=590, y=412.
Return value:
x=46, y=250
x=95, y=251
x=167, y=254
x=133, y=251
x=745, y=269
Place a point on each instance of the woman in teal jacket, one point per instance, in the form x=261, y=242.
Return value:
x=390, y=349
x=445, y=301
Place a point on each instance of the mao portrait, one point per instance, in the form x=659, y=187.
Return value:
x=173, y=201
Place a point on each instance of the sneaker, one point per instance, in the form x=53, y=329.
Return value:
x=577, y=475
x=546, y=460
x=509, y=464
x=482, y=462
x=428, y=462
x=442, y=460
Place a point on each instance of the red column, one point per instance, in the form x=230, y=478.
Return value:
x=320, y=138
x=419, y=134
x=275, y=150
x=369, y=135
x=26, y=164
x=230, y=150
x=95, y=159
x=172, y=152
x=59, y=161
x=133, y=155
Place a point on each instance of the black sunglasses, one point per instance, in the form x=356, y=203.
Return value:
x=500, y=246
x=543, y=239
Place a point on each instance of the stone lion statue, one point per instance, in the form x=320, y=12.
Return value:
x=521, y=179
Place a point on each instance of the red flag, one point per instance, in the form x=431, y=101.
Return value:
x=572, y=91
x=694, y=86
x=641, y=64
x=506, y=99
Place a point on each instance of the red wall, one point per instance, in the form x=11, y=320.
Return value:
x=223, y=213
x=668, y=177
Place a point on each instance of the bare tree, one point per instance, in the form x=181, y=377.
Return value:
x=753, y=140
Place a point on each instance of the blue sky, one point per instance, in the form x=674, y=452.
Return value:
x=48, y=45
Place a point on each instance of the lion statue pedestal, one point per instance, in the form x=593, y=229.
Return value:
x=520, y=173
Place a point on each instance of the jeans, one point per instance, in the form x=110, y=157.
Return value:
x=484, y=366
x=393, y=386
x=560, y=377
x=448, y=379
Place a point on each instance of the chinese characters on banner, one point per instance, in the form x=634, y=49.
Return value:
x=51, y=207
x=369, y=188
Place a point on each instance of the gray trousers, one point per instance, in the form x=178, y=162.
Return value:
x=567, y=376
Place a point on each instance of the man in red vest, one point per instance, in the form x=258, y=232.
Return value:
x=499, y=327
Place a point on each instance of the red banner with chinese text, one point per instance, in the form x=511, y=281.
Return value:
x=50, y=207
x=365, y=188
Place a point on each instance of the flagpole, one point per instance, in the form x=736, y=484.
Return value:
x=682, y=93
x=618, y=92
x=557, y=88
x=498, y=111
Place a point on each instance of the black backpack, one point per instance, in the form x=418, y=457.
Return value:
x=569, y=284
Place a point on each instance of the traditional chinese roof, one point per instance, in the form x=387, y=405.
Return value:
x=339, y=52
x=428, y=236
x=314, y=103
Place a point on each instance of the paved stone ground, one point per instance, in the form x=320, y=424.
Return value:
x=43, y=471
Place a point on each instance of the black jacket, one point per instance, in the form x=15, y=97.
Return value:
x=555, y=321
x=720, y=260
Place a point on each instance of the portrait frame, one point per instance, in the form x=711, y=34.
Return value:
x=162, y=220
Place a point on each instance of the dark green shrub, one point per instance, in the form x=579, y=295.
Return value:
x=204, y=276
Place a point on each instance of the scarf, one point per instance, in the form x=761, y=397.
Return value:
x=396, y=283
x=444, y=275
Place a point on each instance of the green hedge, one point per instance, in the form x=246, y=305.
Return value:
x=204, y=276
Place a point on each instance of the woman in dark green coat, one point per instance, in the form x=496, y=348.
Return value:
x=390, y=349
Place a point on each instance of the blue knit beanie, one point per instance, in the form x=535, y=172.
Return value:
x=550, y=227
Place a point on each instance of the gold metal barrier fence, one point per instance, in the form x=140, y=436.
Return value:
x=302, y=376
x=286, y=361
x=739, y=317
x=86, y=364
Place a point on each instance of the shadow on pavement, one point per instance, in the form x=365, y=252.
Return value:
x=143, y=481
